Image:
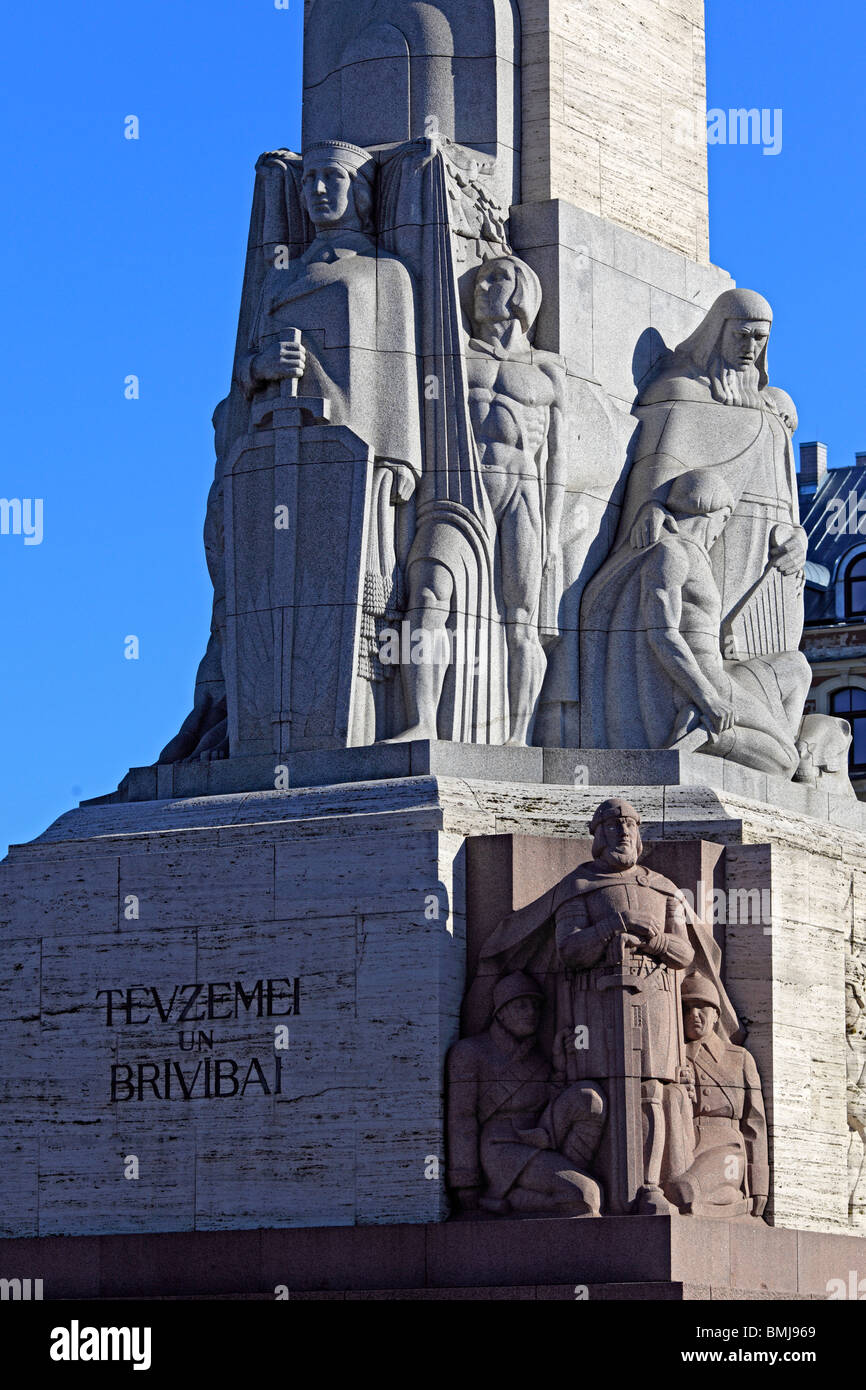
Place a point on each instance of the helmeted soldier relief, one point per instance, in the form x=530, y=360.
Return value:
x=519, y=1140
x=729, y=1174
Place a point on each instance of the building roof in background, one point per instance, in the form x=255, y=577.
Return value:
x=831, y=516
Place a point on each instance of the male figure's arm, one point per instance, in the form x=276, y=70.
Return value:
x=665, y=572
x=579, y=942
x=754, y=1130
x=557, y=459
x=279, y=361
x=671, y=946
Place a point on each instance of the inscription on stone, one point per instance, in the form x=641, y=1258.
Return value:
x=211, y=1078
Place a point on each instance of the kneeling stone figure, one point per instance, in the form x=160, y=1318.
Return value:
x=520, y=1139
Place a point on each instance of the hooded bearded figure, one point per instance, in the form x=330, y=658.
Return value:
x=709, y=365
x=710, y=408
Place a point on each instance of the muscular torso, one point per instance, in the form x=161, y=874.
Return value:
x=510, y=400
x=677, y=564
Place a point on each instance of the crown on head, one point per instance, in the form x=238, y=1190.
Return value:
x=353, y=155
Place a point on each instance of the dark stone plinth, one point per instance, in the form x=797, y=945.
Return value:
x=619, y=1258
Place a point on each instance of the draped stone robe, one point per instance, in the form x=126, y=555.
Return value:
x=355, y=310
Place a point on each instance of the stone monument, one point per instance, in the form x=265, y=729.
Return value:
x=504, y=542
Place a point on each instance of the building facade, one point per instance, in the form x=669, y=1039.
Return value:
x=833, y=512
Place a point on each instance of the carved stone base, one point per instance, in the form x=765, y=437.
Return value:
x=361, y=893
x=555, y=767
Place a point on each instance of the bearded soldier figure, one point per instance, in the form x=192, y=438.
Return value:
x=613, y=939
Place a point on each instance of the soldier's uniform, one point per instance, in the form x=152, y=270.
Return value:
x=505, y=1108
x=729, y=1122
x=496, y=1088
x=730, y=1164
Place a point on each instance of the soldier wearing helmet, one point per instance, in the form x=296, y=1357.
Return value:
x=507, y=1112
x=729, y=1175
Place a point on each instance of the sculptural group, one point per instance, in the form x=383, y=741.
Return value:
x=621, y=1067
x=699, y=605
x=382, y=299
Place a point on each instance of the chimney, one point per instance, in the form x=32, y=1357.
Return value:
x=860, y=460
x=813, y=466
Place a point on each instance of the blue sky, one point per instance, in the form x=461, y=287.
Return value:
x=125, y=257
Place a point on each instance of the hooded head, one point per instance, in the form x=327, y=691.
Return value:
x=701, y=493
x=730, y=348
x=824, y=739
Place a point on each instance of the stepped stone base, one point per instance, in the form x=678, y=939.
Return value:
x=550, y=767
x=613, y=1258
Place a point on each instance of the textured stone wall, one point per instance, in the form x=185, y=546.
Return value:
x=614, y=103
x=349, y=1131
x=359, y=891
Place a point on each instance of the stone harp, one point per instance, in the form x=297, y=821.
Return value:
x=764, y=622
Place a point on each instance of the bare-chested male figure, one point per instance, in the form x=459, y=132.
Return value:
x=656, y=637
x=516, y=402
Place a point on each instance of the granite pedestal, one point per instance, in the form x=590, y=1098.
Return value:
x=252, y=994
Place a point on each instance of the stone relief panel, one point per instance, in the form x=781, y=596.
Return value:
x=609, y=1077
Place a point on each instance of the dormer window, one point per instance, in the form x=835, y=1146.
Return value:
x=855, y=588
x=850, y=704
